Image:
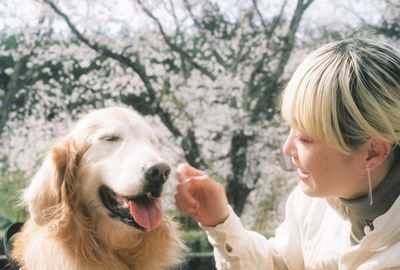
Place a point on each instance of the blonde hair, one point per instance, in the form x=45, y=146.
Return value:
x=345, y=93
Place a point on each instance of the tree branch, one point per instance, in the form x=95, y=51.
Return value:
x=265, y=103
x=290, y=36
x=276, y=20
x=136, y=66
x=173, y=46
x=173, y=14
x=257, y=9
x=196, y=22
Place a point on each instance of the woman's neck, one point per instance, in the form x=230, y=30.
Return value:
x=361, y=213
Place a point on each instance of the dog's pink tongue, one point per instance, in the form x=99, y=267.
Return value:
x=148, y=216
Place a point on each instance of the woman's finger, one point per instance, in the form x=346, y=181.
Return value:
x=187, y=210
x=184, y=199
x=184, y=171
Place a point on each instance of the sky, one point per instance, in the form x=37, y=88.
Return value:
x=15, y=14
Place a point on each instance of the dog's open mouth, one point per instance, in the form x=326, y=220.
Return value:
x=142, y=211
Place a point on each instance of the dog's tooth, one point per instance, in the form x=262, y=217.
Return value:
x=120, y=199
x=149, y=195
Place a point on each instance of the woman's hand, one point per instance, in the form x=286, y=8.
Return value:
x=201, y=197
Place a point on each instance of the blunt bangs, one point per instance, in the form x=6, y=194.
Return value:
x=309, y=102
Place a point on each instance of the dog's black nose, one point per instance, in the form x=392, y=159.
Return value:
x=157, y=174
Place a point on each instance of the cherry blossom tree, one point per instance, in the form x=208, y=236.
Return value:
x=208, y=75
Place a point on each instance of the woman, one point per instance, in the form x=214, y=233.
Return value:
x=343, y=107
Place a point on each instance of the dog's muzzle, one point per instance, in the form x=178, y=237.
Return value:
x=143, y=210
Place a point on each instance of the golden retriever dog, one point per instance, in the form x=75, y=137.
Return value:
x=95, y=202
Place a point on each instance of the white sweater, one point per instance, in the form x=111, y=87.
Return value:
x=313, y=236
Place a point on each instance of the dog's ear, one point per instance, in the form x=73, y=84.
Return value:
x=50, y=193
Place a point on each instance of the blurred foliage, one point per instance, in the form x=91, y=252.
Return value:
x=268, y=207
x=11, y=185
x=196, y=240
x=194, y=237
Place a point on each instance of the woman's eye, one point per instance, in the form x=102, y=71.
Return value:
x=110, y=138
x=304, y=140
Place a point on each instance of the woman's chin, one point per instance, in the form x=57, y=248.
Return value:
x=308, y=189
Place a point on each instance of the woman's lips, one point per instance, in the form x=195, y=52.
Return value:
x=303, y=175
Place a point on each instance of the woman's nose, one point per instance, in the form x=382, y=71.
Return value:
x=288, y=146
x=286, y=154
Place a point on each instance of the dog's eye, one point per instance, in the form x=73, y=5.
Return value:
x=110, y=138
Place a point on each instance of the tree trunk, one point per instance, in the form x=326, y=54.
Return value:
x=236, y=188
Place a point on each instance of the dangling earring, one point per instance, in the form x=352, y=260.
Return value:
x=371, y=199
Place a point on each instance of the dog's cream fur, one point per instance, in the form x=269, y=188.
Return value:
x=69, y=227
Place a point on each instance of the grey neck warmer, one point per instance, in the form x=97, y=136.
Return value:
x=362, y=214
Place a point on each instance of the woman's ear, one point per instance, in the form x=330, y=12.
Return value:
x=49, y=194
x=378, y=152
